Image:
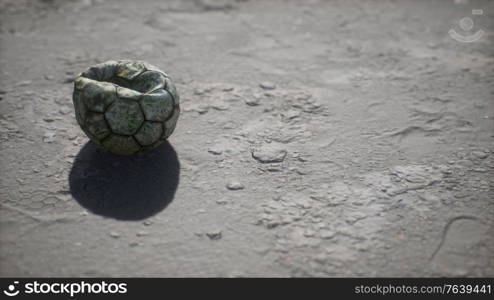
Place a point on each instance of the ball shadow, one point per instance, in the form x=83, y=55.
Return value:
x=131, y=187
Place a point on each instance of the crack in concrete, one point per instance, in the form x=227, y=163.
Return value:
x=446, y=230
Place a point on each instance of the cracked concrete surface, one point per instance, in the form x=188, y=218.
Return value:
x=323, y=138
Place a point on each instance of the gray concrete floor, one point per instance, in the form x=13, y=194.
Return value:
x=361, y=132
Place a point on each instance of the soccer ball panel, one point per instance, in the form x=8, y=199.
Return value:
x=170, y=87
x=79, y=107
x=119, y=144
x=171, y=123
x=80, y=82
x=96, y=125
x=124, y=117
x=129, y=70
x=128, y=94
x=102, y=72
x=148, y=81
x=157, y=106
x=98, y=95
x=149, y=133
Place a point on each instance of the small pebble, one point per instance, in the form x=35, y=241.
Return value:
x=269, y=154
x=114, y=234
x=480, y=154
x=309, y=233
x=327, y=234
x=252, y=102
x=23, y=83
x=234, y=186
x=64, y=110
x=291, y=114
x=214, y=235
x=215, y=150
x=267, y=85
x=49, y=137
x=222, y=201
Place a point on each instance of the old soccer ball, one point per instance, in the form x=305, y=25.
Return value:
x=126, y=106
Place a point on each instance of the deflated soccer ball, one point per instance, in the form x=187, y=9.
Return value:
x=126, y=106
